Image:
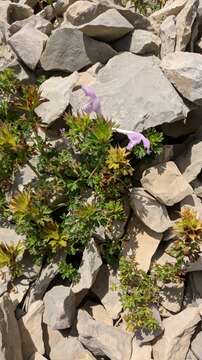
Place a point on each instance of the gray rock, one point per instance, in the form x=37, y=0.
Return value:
x=31, y=330
x=168, y=35
x=36, y=21
x=126, y=88
x=166, y=183
x=9, y=236
x=70, y=349
x=61, y=6
x=137, y=20
x=56, y=90
x=139, y=42
x=91, y=263
x=59, y=307
x=97, y=312
x=10, y=342
x=108, y=26
x=184, y=22
x=18, y=12
x=69, y=50
x=184, y=71
x=102, y=339
x=6, y=56
x=197, y=186
x=83, y=11
x=140, y=352
x=191, y=356
x=190, y=162
x=31, y=3
x=171, y=295
x=28, y=44
x=37, y=356
x=175, y=342
x=141, y=243
x=103, y=287
x=153, y=214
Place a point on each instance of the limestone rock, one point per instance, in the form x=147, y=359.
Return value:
x=102, y=339
x=168, y=35
x=184, y=22
x=91, y=263
x=159, y=16
x=83, y=11
x=153, y=214
x=28, y=44
x=179, y=329
x=140, y=242
x=18, y=12
x=103, y=288
x=56, y=90
x=126, y=88
x=61, y=6
x=190, y=162
x=69, y=50
x=171, y=295
x=139, y=42
x=36, y=21
x=37, y=356
x=196, y=346
x=70, y=349
x=10, y=343
x=140, y=352
x=6, y=56
x=97, y=312
x=9, y=236
x=52, y=338
x=59, y=307
x=184, y=71
x=166, y=184
x=197, y=186
x=31, y=330
x=31, y=3
x=108, y=26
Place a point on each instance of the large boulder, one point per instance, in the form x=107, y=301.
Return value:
x=28, y=44
x=10, y=343
x=175, y=342
x=102, y=339
x=70, y=349
x=139, y=42
x=184, y=70
x=153, y=214
x=69, y=50
x=59, y=307
x=166, y=183
x=17, y=12
x=133, y=92
x=56, y=90
x=31, y=330
x=36, y=21
x=108, y=26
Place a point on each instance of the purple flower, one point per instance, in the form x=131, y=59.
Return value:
x=135, y=138
x=94, y=103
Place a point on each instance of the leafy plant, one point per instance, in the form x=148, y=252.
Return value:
x=9, y=257
x=68, y=272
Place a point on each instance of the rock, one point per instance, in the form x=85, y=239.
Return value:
x=190, y=162
x=69, y=50
x=6, y=56
x=159, y=16
x=171, y=295
x=137, y=20
x=191, y=356
x=98, y=312
x=10, y=343
x=140, y=242
x=153, y=214
x=59, y=307
x=61, y=6
x=196, y=346
x=19, y=291
x=168, y=35
x=31, y=3
x=108, y=26
x=36, y=21
x=192, y=201
x=83, y=11
x=90, y=265
x=126, y=86
x=102, y=339
x=18, y=12
x=174, y=344
x=165, y=183
x=139, y=42
x=184, y=22
x=9, y=236
x=30, y=326
x=103, y=288
x=28, y=44
x=52, y=338
x=56, y=90
x=24, y=176
x=184, y=71
x=197, y=186
x=37, y=356
x=70, y=349
x=140, y=352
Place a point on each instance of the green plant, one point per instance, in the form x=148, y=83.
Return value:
x=156, y=139
x=145, y=7
x=138, y=294
x=68, y=272
x=9, y=255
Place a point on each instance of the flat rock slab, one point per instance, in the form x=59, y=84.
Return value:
x=70, y=50
x=184, y=71
x=153, y=214
x=108, y=26
x=134, y=93
x=70, y=349
x=166, y=183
